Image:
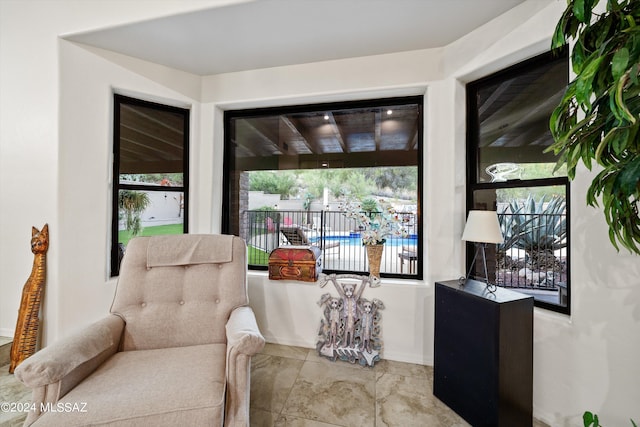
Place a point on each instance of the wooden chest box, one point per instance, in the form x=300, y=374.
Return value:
x=295, y=263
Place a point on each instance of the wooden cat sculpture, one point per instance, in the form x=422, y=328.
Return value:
x=26, y=335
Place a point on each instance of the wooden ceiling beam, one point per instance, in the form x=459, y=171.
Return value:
x=337, y=131
x=130, y=130
x=528, y=154
x=412, y=141
x=494, y=97
x=314, y=161
x=309, y=139
x=135, y=147
x=165, y=122
x=377, y=132
x=261, y=134
x=161, y=166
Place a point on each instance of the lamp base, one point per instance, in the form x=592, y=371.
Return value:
x=490, y=287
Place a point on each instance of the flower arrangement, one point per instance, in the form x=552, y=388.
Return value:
x=376, y=220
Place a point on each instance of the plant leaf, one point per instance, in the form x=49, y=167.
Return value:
x=579, y=10
x=587, y=418
x=604, y=142
x=633, y=74
x=629, y=178
x=585, y=79
x=577, y=57
x=620, y=102
x=619, y=62
x=559, y=38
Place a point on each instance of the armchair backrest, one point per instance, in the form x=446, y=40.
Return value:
x=179, y=290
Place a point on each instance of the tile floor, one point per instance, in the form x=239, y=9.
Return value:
x=12, y=391
x=294, y=387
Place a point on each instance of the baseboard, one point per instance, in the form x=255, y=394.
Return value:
x=416, y=359
x=389, y=355
x=5, y=332
x=293, y=343
x=5, y=353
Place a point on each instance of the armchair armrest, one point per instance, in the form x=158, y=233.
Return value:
x=52, y=364
x=56, y=369
x=243, y=335
x=243, y=341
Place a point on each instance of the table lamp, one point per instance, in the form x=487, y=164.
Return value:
x=482, y=227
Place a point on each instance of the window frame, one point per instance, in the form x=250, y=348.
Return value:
x=472, y=160
x=229, y=161
x=119, y=100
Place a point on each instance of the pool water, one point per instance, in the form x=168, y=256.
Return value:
x=353, y=239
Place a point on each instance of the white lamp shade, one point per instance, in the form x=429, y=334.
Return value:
x=482, y=227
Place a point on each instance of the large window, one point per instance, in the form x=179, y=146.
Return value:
x=150, y=170
x=288, y=171
x=509, y=171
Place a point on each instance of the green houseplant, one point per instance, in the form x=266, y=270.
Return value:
x=598, y=118
x=591, y=420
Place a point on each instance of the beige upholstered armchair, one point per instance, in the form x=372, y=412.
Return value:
x=175, y=350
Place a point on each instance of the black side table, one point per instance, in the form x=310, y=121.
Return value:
x=483, y=353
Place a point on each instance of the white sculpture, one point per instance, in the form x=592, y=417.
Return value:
x=350, y=327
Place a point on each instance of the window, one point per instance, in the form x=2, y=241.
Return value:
x=510, y=172
x=150, y=170
x=291, y=168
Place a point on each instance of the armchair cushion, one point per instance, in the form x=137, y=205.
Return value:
x=179, y=305
x=130, y=389
x=164, y=251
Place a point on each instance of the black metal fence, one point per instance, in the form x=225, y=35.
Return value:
x=533, y=256
x=534, y=253
x=337, y=236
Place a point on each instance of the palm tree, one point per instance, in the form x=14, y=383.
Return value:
x=133, y=203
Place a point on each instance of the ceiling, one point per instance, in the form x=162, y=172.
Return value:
x=269, y=33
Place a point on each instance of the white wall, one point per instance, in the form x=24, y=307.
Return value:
x=87, y=82
x=55, y=131
x=283, y=308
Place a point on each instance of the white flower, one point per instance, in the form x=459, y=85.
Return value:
x=375, y=226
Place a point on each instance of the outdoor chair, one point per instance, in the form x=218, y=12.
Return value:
x=410, y=254
x=297, y=236
x=318, y=224
x=175, y=349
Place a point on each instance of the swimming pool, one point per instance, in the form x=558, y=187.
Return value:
x=354, y=239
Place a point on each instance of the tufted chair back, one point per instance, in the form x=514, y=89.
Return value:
x=179, y=290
